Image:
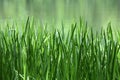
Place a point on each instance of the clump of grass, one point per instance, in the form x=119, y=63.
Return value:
x=42, y=55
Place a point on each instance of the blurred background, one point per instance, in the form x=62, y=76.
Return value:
x=96, y=12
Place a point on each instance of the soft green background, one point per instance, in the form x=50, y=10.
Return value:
x=95, y=12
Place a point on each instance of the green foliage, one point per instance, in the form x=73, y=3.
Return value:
x=41, y=55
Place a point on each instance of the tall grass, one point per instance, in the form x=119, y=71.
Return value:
x=37, y=54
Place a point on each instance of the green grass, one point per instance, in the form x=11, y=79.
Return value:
x=37, y=54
